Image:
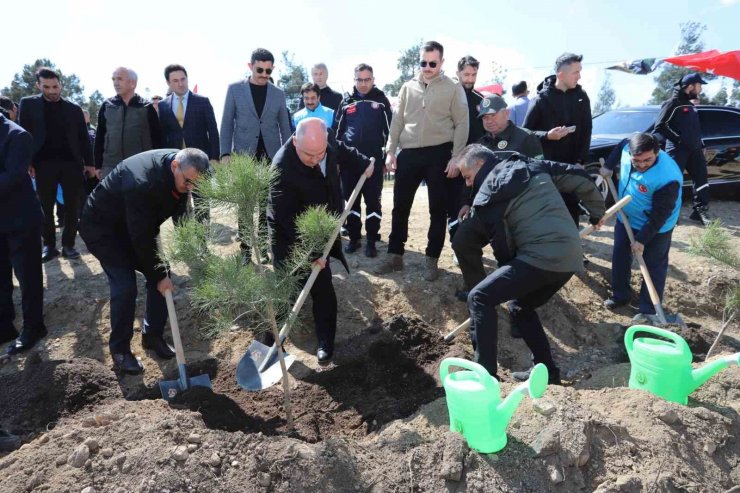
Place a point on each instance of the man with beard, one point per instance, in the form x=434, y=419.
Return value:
x=678, y=124
x=311, y=97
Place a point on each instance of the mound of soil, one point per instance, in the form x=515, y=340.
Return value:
x=395, y=374
x=34, y=399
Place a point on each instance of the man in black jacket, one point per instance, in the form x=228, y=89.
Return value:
x=120, y=226
x=308, y=177
x=20, y=250
x=560, y=115
x=61, y=148
x=363, y=122
x=678, y=124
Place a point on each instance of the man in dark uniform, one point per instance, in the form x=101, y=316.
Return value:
x=504, y=139
x=120, y=226
x=309, y=177
x=363, y=122
x=678, y=124
x=20, y=249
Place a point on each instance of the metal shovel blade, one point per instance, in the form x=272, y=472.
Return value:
x=670, y=319
x=248, y=375
x=171, y=388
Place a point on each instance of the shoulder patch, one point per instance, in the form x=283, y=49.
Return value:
x=642, y=188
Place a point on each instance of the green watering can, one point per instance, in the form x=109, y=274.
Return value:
x=474, y=402
x=664, y=368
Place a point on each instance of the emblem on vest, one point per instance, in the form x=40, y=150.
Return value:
x=642, y=188
x=502, y=145
x=375, y=106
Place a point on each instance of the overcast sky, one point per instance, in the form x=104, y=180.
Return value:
x=213, y=38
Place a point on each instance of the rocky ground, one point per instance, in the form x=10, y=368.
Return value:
x=376, y=419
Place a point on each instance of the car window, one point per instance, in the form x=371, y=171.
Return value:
x=719, y=122
x=620, y=123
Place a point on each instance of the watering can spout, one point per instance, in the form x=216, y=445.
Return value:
x=701, y=375
x=534, y=387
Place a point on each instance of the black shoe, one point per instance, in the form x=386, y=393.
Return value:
x=553, y=376
x=462, y=295
x=48, y=253
x=613, y=304
x=158, y=345
x=344, y=232
x=353, y=246
x=127, y=363
x=8, y=441
x=324, y=355
x=7, y=335
x=70, y=253
x=25, y=341
x=701, y=215
x=370, y=250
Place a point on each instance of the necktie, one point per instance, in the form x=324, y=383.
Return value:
x=180, y=111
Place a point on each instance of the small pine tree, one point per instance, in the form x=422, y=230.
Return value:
x=407, y=65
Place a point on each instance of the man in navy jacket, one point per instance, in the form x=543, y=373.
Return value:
x=20, y=248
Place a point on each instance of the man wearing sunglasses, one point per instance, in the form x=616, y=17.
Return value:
x=120, y=225
x=430, y=127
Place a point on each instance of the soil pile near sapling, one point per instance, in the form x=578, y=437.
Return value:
x=384, y=374
x=33, y=400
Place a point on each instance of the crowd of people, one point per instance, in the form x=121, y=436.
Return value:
x=509, y=177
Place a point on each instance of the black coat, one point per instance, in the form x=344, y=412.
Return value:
x=553, y=108
x=20, y=208
x=299, y=187
x=31, y=118
x=121, y=219
x=678, y=122
x=199, y=129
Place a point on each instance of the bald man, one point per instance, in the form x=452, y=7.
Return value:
x=308, y=177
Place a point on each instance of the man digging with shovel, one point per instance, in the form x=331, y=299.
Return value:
x=120, y=225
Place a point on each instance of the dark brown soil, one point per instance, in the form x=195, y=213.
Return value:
x=359, y=393
x=34, y=399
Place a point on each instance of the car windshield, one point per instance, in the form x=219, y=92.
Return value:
x=621, y=123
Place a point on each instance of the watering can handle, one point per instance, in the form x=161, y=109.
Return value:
x=629, y=337
x=485, y=378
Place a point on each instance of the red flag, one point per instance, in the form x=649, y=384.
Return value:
x=497, y=89
x=195, y=89
x=712, y=62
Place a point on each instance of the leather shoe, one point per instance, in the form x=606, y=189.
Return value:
x=26, y=341
x=553, y=376
x=353, y=246
x=70, y=253
x=613, y=304
x=158, y=345
x=324, y=355
x=48, y=253
x=127, y=363
x=370, y=250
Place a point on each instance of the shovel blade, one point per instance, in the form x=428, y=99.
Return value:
x=172, y=388
x=248, y=375
x=672, y=319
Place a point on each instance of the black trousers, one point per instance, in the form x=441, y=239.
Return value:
x=468, y=243
x=371, y=192
x=696, y=166
x=413, y=167
x=48, y=175
x=528, y=288
x=454, y=188
x=20, y=251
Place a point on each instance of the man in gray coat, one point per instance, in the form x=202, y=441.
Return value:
x=255, y=119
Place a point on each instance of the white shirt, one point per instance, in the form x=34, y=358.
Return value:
x=322, y=166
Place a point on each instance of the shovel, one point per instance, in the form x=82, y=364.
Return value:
x=259, y=368
x=583, y=233
x=660, y=316
x=170, y=388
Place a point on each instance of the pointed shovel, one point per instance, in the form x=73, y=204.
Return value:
x=170, y=388
x=259, y=368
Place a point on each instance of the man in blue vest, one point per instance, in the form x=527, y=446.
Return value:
x=654, y=181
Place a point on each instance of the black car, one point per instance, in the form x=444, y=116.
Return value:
x=720, y=132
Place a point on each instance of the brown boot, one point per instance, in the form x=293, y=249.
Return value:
x=393, y=262
x=431, y=272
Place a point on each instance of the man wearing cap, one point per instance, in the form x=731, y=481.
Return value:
x=678, y=123
x=504, y=139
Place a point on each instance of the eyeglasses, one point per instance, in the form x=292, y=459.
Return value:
x=259, y=70
x=364, y=81
x=424, y=63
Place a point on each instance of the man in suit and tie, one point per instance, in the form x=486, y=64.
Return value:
x=187, y=120
x=20, y=250
x=255, y=119
x=61, y=148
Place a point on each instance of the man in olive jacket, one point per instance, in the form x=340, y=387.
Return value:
x=120, y=225
x=534, y=242
x=308, y=165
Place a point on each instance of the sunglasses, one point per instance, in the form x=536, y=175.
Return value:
x=424, y=63
x=259, y=70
